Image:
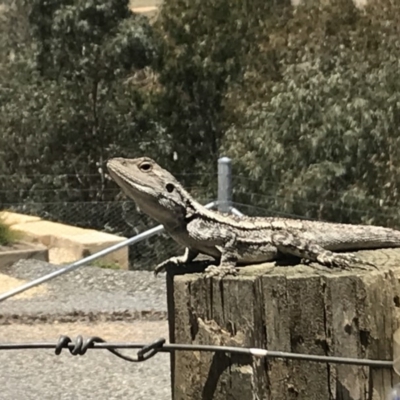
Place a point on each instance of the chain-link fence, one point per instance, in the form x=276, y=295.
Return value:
x=118, y=217
x=62, y=199
x=115, y=218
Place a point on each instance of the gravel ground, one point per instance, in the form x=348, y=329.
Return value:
x=115, y=305
x=98, y=375
x=87, y=291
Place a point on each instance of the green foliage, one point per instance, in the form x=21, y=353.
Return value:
x=203, y=47
x=92, y=40
x=323, y=141
x=69, y=103
x=7, y=235
x=305, y=100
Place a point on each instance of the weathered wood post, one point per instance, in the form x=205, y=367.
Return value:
x=301, y=309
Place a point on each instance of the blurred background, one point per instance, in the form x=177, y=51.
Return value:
x=303, y=97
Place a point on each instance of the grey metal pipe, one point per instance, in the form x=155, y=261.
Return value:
x=141, y=236
x=224, y=184
x=236, y=212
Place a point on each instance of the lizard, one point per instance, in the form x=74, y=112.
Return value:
x=236, y=241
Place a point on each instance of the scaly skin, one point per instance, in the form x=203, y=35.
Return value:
x=235, y=240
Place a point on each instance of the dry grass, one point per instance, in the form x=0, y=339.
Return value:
x=8, y=283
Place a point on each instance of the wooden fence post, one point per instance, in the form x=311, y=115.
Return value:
x=301, y=309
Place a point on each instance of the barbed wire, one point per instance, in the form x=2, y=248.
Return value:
x=79, y=346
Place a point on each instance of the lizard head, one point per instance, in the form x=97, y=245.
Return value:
x=155, y=190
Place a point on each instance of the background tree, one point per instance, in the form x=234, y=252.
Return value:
x=69, y=102
x=76, y=105
x=304, y=99
x=323, y=141
x=203, y=48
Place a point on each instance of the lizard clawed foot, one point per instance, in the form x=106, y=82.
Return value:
x=163, y=267
x=220, y=271
x=344, y=261
x=159, y=268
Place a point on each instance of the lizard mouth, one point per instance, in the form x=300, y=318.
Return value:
x=127, y=181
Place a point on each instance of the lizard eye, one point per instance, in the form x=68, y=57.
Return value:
x=170, y=187
x=145, y=166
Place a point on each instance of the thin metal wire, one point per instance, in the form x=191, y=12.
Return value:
x=273, y=212
x=71, y=267
x=8, y=177
x=236, y=212
x=148, y=350
x=391, y=211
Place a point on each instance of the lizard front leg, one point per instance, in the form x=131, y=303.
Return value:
x=188, y=256
x=222, y=240
x=229, y=258
x=289, y=243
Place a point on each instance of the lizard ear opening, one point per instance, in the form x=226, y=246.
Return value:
x=170, y=187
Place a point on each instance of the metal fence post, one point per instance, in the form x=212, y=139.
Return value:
x=224, y=184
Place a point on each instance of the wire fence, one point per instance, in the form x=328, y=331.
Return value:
x=109, y=215
x=79, y=346
x=119, y=218
x=93, y=202
x=81, y=202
